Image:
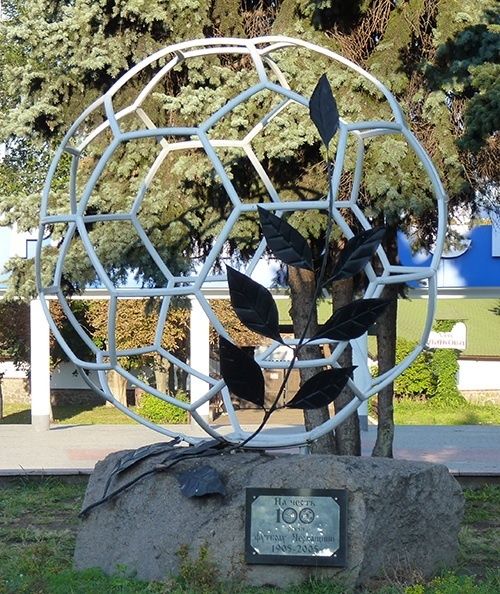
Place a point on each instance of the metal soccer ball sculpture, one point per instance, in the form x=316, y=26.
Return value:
x=84, y=156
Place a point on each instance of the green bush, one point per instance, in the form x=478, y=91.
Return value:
x=433, y=375
x=418, y=381
x=198, y=574
x=445, y=369
x=452, y=583
x=157, y=411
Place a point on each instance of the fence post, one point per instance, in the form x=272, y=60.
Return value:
x=40, y=367
x=199, y=355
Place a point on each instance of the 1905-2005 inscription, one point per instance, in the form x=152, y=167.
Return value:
x=296, y=526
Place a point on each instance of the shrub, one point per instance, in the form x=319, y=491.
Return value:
x=418, y=381
x=433, y=375
x=445, y=369
x=198, y=574
x=157, y=411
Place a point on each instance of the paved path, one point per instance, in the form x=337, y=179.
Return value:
x=69, y=449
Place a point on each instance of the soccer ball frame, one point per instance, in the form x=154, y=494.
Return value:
x=76, y=220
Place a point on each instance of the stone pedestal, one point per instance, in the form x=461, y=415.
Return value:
x=403, y=518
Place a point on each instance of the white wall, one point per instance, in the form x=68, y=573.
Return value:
x=65, y=377
x=61, y=378
x=9, y=370
x=478, y=375
x=472, y=375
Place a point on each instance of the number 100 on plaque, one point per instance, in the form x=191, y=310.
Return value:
x=296, y=526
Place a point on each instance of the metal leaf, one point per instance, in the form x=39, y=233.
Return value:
x=207, y=447
x=286, y=243
x=352, y=320
x=323, y=110
x=135, y=456
x=321, y=389
x=130, y=459
x=241, y=373
x=201, y=481
x=358, y=251
x=254, y=305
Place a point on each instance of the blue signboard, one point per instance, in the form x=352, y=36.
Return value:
x=475, y=263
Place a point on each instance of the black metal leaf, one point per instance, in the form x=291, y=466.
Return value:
x=321, y=389
x=352, y=320
x=323, y=110
x=358, y=251
x=254, y=305
x=241, y=373
x=135, y=456
x=207, y=447
x=201, y=481
x=130, y=459
x=286, y=243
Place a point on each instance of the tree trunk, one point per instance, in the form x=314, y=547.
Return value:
x=302, y=289
x=161, y=380
x=181, y=379
x=347, y=435
x=118, y=386
x=386, y=349
x=161, y=371
x=386, y=354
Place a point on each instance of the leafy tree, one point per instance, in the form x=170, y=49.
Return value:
x=438, y=58
x=136, y=323
x=15, y=332
x=136, y=326
x=14, y=336
x=81, y=350
x=238, y=332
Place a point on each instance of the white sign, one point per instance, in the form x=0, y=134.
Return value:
x=455, y=339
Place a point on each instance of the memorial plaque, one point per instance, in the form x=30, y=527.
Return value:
x=296, y=526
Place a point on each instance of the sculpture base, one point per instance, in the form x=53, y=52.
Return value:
x=403, y=517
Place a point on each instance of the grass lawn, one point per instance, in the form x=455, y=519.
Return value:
x=38, y=522
x=69, y=415
x=421, y=412
x=406, y=412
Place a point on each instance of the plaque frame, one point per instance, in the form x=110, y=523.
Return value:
x=338, y=559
